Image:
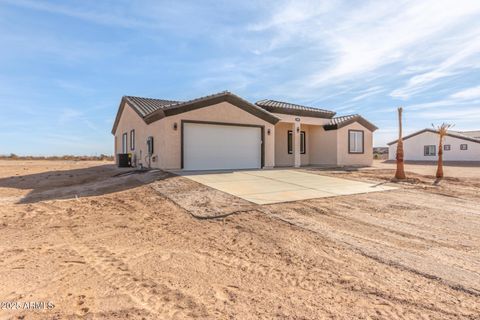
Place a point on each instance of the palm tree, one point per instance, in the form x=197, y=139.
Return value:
x=400, y=173
x=442, y=132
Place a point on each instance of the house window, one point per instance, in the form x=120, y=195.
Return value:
x=132, y=140
x=464, y=147
x=150, y=146
x=447, y=147
x=430, y=150
x=355, y=141
x=124, y=143
x=303, y=142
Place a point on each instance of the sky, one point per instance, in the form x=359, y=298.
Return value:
x=64, y=65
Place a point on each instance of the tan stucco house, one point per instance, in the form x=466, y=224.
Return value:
x=224, y=131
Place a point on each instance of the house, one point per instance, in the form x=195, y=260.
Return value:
x=423, y=146
x=224, y=131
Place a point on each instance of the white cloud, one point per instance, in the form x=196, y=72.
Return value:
x=449, y=67
x=367, y=93
x=467, y=94
x=428, y=40
x=377, y=35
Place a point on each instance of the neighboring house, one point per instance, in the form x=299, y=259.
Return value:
x=423, y=146
x=224, y=131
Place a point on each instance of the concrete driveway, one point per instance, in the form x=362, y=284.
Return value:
x=275, y=186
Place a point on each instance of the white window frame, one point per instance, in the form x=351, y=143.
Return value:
x=132, y=139
x=124, y=142
x=303, y=142
x=356, y=141
x=430, y=150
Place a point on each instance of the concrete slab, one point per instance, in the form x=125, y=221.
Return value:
x=275, y=186
x=286, y=196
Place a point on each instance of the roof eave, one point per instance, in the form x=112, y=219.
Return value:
x=361, y=120
x=436, y=132
x=300, y=113
x=211, y=100
x=120, y=109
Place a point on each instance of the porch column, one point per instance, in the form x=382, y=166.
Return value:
x=296, y=144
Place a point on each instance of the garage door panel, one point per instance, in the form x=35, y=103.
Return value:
x=212, y=146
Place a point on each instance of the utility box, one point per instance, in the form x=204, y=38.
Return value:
x=124, y=160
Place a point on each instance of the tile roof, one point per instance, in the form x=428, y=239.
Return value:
x=342, y=119
x=146, y=106
x=154, y=109
x=292, y=108
x=339, y=122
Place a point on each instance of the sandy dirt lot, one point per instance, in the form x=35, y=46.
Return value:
x=451, y=169
x=102, y=243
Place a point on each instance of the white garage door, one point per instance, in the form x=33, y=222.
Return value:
x=214, y=147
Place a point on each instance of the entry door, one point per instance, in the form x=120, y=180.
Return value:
x=208, y=146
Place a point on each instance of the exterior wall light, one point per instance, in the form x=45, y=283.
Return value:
x=268, y=131
x=298, y=129
x=175, y=126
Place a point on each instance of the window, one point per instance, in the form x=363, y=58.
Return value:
x=447, y=147
x=355, y=141
x=124, y=143
x=430, y=150
x=132, y=140
x=150, y=146
x=303, y=142
x=464, y=147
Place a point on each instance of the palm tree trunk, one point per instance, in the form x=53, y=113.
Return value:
x=400, y=173
x=440, y=158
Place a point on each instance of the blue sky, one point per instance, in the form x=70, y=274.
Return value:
x=64, y=65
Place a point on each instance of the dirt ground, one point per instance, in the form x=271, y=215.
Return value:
x=451, y=169
x=102, y=243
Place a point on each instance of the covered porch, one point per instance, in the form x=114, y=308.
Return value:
x=303, y=143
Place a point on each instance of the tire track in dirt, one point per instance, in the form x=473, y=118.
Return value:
x=292, y=220
x=313, y=282
x=156, y=298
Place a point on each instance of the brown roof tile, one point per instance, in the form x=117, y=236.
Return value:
x=294, y=109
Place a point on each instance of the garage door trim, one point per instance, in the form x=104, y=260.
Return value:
x=262, y=134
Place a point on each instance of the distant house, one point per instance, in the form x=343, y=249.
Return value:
x=224, y=131
x=423, y=146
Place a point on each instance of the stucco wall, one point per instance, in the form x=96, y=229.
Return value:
x=413, y=149
x=222, y=112
x=347, y=159
x=128, y=121
x=303, y=120
x=131, y=120
x=282, y=157
x=323, y=146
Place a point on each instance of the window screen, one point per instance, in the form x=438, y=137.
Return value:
x=124, y=143
x=430, y=150
x=303, y=142
x=132, y=140
x=355, y=141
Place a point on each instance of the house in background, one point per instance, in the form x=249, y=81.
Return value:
x=224, y=131
x=423, y=146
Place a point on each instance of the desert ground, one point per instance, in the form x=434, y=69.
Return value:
x=100, y=242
